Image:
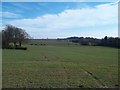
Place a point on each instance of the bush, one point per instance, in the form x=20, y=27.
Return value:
x=17, y=48
x=21, y=48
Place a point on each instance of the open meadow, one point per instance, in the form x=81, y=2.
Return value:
x=60, y=66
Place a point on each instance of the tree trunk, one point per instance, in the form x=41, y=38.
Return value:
x=20, y=44
x=15, y=44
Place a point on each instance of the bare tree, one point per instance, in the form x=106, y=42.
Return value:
x=21, y=36
x=14, y=35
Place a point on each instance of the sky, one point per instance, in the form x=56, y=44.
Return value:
x=62, y=19
x=60, y=0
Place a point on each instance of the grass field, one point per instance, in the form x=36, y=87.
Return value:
x=60, y=67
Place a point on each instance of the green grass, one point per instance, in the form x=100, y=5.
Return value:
x=60, y=66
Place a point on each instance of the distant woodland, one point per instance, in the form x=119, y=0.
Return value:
x=106, y=41
x=13, y=37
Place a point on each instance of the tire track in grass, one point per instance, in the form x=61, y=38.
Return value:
x=66, y=76
x=65, y=72
x=101, y=84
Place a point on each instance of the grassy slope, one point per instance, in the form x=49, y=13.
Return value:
x=60, y=66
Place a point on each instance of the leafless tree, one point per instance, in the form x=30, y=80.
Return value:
x=12, y=34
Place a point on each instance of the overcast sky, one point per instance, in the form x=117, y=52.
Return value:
x=63, y=19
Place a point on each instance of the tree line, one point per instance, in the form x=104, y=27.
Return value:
x=106, y=41
x=13, y=37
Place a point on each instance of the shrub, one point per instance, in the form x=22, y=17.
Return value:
x=21, y=48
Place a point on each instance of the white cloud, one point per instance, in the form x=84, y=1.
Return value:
x=9, y=15
x=99, y=16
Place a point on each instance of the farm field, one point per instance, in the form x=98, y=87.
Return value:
x=60, y=66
